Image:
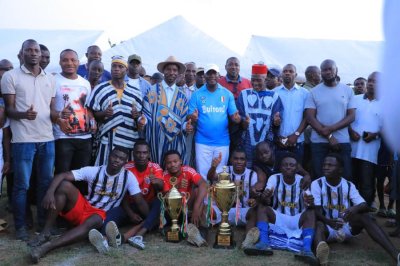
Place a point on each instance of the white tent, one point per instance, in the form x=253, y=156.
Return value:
x=174, y=37
x=55, y=40
x=353, y=58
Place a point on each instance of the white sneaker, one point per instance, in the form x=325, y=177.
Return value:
x=113, y=235
x=322, y=253
x=137, y=242
x=98, y=241
x=398, y=259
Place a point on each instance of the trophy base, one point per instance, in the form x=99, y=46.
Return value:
x=173, y=236
x=224, y=242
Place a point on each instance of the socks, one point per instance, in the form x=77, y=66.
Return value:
x=263, y=227
x=308, y=236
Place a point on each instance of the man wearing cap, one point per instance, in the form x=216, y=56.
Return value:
x=117, y=106
x=293, y=98
x=93, y=53
x=209, y=109
x=260, y=112
x=190, y=79
x=157, y=77
x=233, y=81
x=273, y=78
x=200, y=79
x=165, y=106
x=133, y=77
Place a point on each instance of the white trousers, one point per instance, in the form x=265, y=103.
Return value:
x=204, y=156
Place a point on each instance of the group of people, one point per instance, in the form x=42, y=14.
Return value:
x=306, y=155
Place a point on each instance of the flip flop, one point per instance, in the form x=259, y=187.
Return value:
x=3, y=225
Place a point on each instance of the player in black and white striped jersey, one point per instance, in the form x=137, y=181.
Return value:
x=288, y=224
x=341, y=211
x=107, y=186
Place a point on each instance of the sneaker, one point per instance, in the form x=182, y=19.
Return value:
x=194, y=236
x=398, y=259
x=137, y=242
x=113, y=235
x=252, y=237
x=391, y=213
x=259, y=249
x=307, y=257
x=22, y=234
x=322, y=253
x=98, y=241
x=382, y=212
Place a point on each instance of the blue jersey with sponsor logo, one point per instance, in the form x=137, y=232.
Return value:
x=214, y=110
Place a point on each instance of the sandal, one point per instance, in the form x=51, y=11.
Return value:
x=391, y=213
x=39, y=240
x=137, y=242
x=382, y=212
x=3, y=225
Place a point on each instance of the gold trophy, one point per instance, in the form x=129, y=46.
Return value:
x=224, y=192
x=173, y=204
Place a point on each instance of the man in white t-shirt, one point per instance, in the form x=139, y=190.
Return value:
x=107, y=185
x=341, y=211
x=74, y=141
x=365, y=141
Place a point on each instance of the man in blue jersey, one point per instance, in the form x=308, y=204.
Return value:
x=210, y=107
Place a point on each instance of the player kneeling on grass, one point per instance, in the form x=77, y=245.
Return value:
x=288, y=224
x=246, y=178
x=106, y=186
x=341, y=211
x=150, y=178
x=188, y=181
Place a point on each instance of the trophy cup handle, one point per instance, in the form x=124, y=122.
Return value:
x=186, y=195
x=161, y=197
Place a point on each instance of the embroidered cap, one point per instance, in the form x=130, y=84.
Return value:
x=119, y=59
x=259, y=69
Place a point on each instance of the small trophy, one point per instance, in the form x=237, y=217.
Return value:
x=173, y=203
x=224, y=192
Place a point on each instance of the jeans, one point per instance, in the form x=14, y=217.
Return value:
x=119, y=216
x=23, y=154
x=319, y=152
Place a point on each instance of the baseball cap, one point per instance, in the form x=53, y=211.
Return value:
x=211, y=67
x=134, y=57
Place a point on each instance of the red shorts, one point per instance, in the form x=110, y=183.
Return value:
x=82, y=211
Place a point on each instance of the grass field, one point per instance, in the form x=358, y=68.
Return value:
x=359, y=251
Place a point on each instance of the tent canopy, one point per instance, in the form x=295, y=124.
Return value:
x=55, y=40
x=353, y=58
x=175, y=37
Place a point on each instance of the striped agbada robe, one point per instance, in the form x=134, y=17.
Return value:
x=121, y=128
x=165, y=124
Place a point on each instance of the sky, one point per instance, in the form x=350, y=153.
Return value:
x=228, y=21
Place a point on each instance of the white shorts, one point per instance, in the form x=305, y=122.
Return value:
x=204, y=156
x=289, y=224
x=340, y=235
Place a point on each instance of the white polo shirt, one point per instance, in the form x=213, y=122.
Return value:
x=368, y=119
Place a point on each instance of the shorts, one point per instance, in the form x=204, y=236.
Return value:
x=285, y=234
x=82, y=211
x=340, y=235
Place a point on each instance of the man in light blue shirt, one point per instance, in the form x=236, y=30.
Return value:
x=210, y=107
x=293, y=98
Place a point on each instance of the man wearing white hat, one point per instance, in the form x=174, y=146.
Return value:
x=209, y=109
x=165, y=106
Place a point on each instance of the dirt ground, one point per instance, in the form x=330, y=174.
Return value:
x=359, y=251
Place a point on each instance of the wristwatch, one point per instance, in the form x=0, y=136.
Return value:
x=297, y=133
